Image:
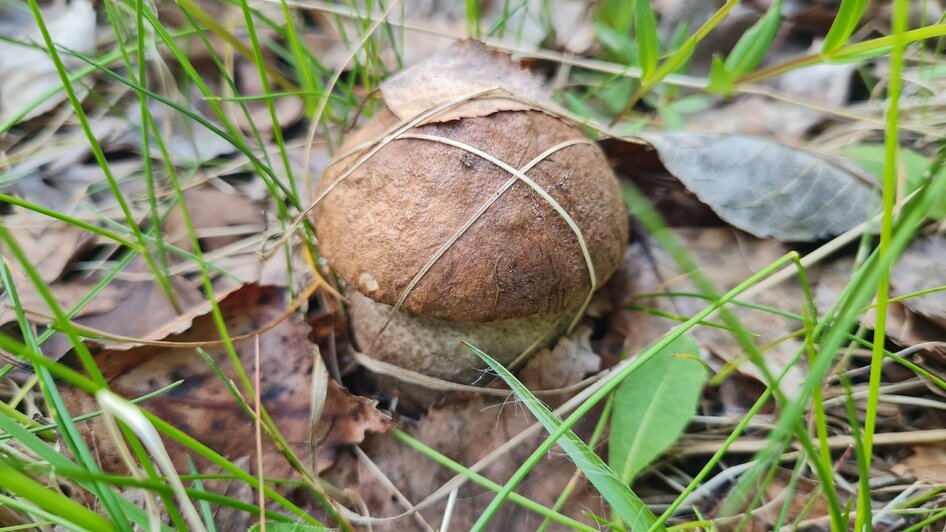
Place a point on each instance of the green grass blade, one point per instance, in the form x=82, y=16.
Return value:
x=849, y=15
x=648, y=43
x=21, y=484
x=622, y=500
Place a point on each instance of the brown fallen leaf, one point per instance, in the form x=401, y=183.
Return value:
x=219, y=218
x=928, y=462
x=204, y=408
x=50, y=245
x=143, y=312
x=923, y=267
x=67, y=294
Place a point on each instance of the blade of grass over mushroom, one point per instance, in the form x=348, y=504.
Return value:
x=845, y=22
x=623, y=501
x=541, y=192
x=653, y=406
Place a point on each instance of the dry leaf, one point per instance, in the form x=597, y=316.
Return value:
x=219, y=218
x=763, y=187
x=26, y=73
x=144, y=311
x=50, y=245
x=67, y=294
x=464, y=69
x=928, y=462
x=203, y=407
x=921, y=267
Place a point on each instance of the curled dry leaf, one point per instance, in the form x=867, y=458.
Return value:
x=203, y=407
x=460, y=71
x=762, y=187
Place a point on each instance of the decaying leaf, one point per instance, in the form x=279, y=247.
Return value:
x=462, y=70
x=928, y=462
x=203, y=407
x=923, y=267
x=26, y=72
x=765, y=188
x=50, y=245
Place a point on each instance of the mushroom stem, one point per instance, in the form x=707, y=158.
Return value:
x=431, y=345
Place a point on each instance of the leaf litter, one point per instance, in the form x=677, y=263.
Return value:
x=202, y=405
x=706, y=178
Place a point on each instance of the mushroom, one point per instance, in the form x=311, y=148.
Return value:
x=467, y=208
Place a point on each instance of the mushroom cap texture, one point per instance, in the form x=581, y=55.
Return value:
x=384, y=221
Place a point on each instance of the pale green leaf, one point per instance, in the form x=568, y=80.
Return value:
x=652, y=407
x=754, y=43
x=720, y=80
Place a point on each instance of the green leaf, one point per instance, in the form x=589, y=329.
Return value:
x=288, y=527
x=625, y=503
x=754, y=43
x=648, y=43
x=652, y=407
x=849, y=14
x=914, y=166
x=720, y=80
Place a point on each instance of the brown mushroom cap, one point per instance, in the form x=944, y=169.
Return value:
x=381, y=224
